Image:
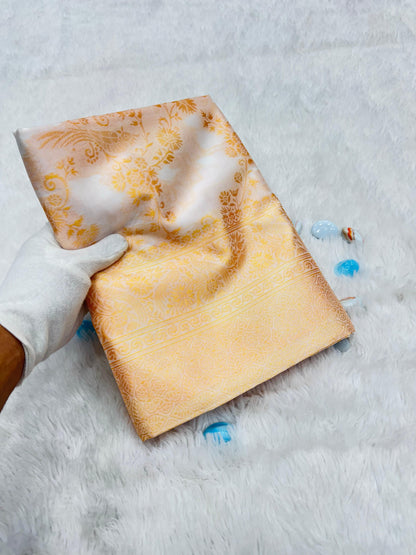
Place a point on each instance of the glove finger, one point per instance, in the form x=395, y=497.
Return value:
x=102, y=254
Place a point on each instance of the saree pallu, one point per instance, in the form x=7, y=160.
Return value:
x=217, y=293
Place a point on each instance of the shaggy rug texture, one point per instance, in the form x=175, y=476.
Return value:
x=322, y=458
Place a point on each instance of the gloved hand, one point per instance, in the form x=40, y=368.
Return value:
x=42, y=296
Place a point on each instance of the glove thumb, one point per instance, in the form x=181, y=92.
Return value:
x=102, y=254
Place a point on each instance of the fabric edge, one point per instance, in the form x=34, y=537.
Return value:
x=226, y=399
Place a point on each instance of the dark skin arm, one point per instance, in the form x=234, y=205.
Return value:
x=12, y=361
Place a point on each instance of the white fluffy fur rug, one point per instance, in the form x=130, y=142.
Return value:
x=323, y=457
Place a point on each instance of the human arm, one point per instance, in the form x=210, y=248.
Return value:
x=41, y=299
x=12, y=360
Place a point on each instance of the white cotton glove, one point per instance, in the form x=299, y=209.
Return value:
x=42, y=296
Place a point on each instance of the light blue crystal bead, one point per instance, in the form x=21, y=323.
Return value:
x=323, y=229
x=347, y=267
x=220, y=431
x=86, y=330
x=343, y=345
x=298, y=226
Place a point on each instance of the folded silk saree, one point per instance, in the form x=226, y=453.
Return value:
x=217, y=292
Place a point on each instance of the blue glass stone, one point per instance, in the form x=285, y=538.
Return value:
x=86, y=330
x=323, y=229
x=218, y=431
x=298, y=226
x=343, y=345
x=347, y=267
x=349, y=302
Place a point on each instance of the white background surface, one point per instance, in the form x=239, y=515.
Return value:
x=323, y=457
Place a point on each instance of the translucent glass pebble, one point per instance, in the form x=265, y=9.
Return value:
x=324, y=228
x=347, y=267
x=86, y=330
x=298, y=226
x=219, y=431
x=343, y=345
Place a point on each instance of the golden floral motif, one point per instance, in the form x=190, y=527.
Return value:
x=230, y=211
x=209, y=121
x=231, y=215
x=238, y=178
x=136, y=176
x=214, y=123
x=58, y=210
x=170, y=138
x=187, y=105
x=139, y=177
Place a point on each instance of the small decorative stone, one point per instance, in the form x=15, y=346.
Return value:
x=348, y=302
x=86, y=331
x=347, y=267
x=350, y=234
x=343, y=345
x=298, y=226
x=323, y=229
x=220, y=431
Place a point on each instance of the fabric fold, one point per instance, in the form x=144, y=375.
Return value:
x=217, y=293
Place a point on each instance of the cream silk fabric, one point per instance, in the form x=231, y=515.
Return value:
x=217, y=292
